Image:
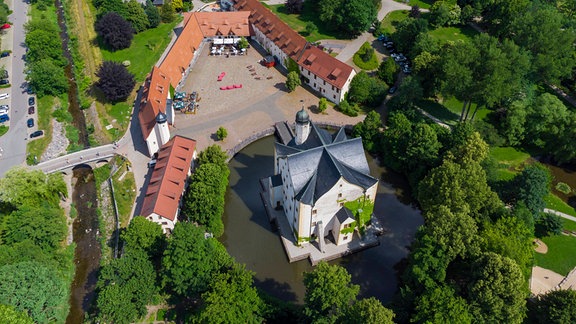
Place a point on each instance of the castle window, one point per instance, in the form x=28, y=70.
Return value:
x=347, y=225
x=313, y=223
x=345, y=237
x=314, y=212
x=341, y=204
x=324, y=82
x=340, y=195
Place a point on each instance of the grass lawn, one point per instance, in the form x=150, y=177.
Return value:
x=145, y=50
x=389, y=22
x=569, y=225
x=510, y=161
x=120, y=113
x=423, y=4
x=554, y=202
x=3, y=130
x=298, y=22
x=439, y=111
x=560, y=257
x=445, y=34
x=47, y=15
x=125, y=193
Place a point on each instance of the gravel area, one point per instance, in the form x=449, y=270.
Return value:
x=58, y=144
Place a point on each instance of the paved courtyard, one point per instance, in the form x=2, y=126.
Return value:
x=246, y=111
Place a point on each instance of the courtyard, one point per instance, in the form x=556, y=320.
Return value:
x=247, y=111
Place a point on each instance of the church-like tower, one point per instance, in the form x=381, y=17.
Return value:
x=302, y=126
x=162, y=129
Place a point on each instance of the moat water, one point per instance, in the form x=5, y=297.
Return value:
x=251, y=239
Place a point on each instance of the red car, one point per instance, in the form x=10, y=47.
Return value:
x=30, y=110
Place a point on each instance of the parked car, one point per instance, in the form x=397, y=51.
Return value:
x=392, y=90
x=37, y=134
x=407, y=70
x=4, y=107
x=5, y=54
x=3, y=111
x=4, y=96
x=4, y=118
x=30, y=122
x=29, y=90
x=31, y=101
x=31, y=110
x=4, y=81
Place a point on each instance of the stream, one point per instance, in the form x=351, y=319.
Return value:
x=85, y=227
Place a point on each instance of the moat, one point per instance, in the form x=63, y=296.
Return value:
x=251, y=239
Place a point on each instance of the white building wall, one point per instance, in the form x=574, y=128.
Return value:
x=325, y=89
x=166, y=224
x=304, y=221
x=152, y=142
x=329, y=204
x=340, y=237
x=269, y=46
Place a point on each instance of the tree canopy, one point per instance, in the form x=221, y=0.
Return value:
x=555, y=307
x=115, y=31
x=115, y=81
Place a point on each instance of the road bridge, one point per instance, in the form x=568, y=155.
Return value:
x=92, y=157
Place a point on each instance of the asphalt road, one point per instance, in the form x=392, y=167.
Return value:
x=13, y=143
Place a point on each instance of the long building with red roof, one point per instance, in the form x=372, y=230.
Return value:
x=327, y=75
x=168, y=182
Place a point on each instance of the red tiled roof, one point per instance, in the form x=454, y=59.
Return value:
x=169, y=178
x=154, y=96
x=325, y=66
x=289, y=41
x=182, y=51
x=223, y=23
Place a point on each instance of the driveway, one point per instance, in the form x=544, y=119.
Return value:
x=13, y=143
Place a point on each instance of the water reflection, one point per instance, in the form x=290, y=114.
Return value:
x=251, y=240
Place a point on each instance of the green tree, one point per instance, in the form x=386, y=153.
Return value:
x=292, y=81
x=322, y=104
x=498, y=290
x=145, y=235
x=221, y=133
x=329, y=292
x=369, y=311
x=22, y=187
x=43, y=225
x=555, y=307
x=311, y=28
x=441, y=305
x=125, y=287
x=10, y=315
x=366, y=90
x=549, y=224
x=357, y=16
x=455, y=185
x=47, y=78
x=513, y=125
x=532, y=186
x=191, y=261
x=553, y=57
x=243, y=43
x=407, y=31
x=443, y=13
x=136, y=16
x=44, y=44
x=369, y=130
x=409, y=92
x=546, y=120
x=36, y=290
x=177, y=5
x=387, y=71
x=167, y=13
x=152, y=13
x=213, y=154
x=232, y=298
x=106, y=6
x=204, y=201
x=509, y=237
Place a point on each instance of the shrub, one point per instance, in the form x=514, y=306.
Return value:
x=294, y=6
x=322, y=104
x=549, y=224
x=221, y=133
x=115, y=81
x=347, y=109
x=115, y=32
x=563, y=188
x=364, y=58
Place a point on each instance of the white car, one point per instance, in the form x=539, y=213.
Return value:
x=3, y=111
x=4, y=96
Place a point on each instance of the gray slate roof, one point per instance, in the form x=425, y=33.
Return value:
x=318, y=163
x=344, y=214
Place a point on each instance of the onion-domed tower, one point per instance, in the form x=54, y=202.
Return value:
x=302, y=126
x=162, y=128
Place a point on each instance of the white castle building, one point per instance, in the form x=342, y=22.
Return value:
x=315, y=174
